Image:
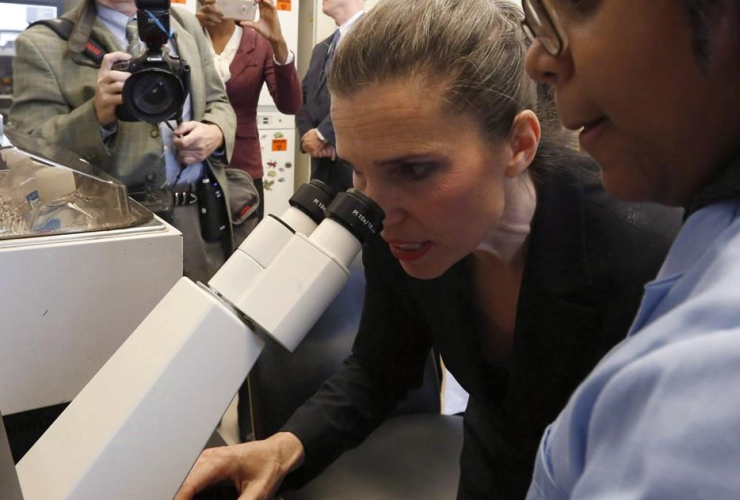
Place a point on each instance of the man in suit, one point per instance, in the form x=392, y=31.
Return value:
x=314, y=118
x=67, y=96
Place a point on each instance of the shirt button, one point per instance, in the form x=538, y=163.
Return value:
x=150, y=177
x=155, y=133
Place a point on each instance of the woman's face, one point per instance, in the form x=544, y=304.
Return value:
x=653, y=119
x=438, y=181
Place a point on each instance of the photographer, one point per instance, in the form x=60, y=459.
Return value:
x=67, y=95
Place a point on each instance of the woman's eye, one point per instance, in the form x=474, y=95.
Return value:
x=562, y=6
x=416, y=171
x=582, y=6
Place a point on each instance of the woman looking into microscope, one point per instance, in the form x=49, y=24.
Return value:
x=500, y=250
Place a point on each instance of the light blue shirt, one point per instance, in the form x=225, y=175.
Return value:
x=116, y=22
x=659, y=417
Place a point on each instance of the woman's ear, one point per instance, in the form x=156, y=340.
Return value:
x=523, y=141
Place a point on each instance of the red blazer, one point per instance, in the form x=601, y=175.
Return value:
x=253, y=64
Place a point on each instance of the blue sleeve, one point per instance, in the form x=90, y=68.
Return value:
x=668, y=426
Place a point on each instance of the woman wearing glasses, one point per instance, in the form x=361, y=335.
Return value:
x=653, y=87
x=500, y=250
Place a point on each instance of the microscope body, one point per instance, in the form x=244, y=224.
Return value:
x=137, y=428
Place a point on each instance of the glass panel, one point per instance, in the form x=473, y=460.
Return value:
x=46, y=190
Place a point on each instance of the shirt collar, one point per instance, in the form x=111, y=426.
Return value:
x=349, y=22
x=115, y=21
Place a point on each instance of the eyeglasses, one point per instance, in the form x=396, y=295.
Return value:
x=541, y=22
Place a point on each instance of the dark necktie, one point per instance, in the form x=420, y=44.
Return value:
x=330, y=52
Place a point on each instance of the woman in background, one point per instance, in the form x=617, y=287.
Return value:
x=500, y=250
x=246, y=55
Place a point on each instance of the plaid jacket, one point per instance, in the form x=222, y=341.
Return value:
x=54, y=86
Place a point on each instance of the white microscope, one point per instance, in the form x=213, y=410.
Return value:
x=136, y=429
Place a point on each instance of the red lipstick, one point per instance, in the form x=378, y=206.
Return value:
x=408, y=252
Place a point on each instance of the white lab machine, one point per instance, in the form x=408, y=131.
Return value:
x=70, y=297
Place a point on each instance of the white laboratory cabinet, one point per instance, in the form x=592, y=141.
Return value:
x=71, y=297
x=278, y=144
x=69, y=302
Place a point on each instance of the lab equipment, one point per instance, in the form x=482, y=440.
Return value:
x=136, y=429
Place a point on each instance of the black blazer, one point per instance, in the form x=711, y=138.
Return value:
x=316, y=113
x=589, y=258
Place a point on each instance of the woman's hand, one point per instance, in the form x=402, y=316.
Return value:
x=269, y=27
x=209, y=15
x=257, y=469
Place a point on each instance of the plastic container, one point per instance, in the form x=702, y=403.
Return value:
x=17, y=193
x=59, y=206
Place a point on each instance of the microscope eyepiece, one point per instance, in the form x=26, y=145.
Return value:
x=312, y=199
x=357, y=213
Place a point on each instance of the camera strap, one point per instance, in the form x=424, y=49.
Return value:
x=63, y=28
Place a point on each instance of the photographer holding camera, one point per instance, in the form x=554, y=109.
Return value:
x=167, y=134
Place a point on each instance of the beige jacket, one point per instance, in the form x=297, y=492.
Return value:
x=54, y=85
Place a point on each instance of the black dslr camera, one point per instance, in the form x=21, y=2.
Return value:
x=159, y=82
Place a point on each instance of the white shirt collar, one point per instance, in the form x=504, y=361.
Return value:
x=115, y=21
x=223, y=61
x=349, y=22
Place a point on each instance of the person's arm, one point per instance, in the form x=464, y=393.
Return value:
x=281, y=78
x=665, y=426
x=282, y=82
x=303, y=118
x=326, y=128
x=218, y=110
x=39, y=106
x=256, y=468
x=387, y=360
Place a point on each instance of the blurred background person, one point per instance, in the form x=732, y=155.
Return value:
x=314, y=118
x=66, y=96
x=247, y=55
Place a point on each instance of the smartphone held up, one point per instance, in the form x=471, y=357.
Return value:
x=241, y=10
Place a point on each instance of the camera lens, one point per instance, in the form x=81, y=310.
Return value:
x=357, y=213
x=153, y=95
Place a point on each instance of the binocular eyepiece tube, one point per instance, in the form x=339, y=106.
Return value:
x=306, y=211
x=282, y=280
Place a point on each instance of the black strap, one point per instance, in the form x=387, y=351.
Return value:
x=63, y=28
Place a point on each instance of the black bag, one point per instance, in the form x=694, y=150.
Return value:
x=243, y=203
